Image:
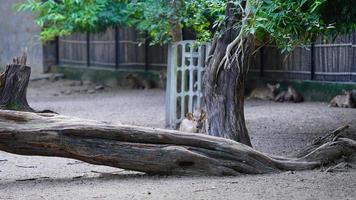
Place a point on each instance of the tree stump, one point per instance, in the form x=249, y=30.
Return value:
x=13, y=85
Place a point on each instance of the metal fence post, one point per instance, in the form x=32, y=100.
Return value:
x=353, y=61
x=117, y=50
x=57, y=51
x=170, y=86
x=261, y=61
x=146, y=51
x=312, y=64
x=88, y=49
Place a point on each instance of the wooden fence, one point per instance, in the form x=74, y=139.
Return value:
x=118, y=48
x=122, y=48
x=321, y=61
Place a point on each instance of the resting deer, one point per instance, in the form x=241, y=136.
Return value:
x=267, y=92
x=290, y=95
x=137, y=83
x=344, y=101
x=202, y=119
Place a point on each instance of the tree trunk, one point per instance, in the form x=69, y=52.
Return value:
x=13, y=87
x=224, y=86
x=150, y=150
x=176, y=31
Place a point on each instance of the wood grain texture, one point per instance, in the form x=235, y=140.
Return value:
x=223, y=88
x=150, y=150
x=13, y=88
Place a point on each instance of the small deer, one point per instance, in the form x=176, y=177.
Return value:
x=343, y=101
x=137, y=83
x=290, y=95
x=194, y=122
x=189, y=124
x=268, y=92
x=202, y=119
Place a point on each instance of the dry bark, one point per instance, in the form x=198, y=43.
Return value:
x=150, y=150
x=223, y=88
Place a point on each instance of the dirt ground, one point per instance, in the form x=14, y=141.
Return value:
x=278, y=128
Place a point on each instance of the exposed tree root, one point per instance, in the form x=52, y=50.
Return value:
x=154, y=151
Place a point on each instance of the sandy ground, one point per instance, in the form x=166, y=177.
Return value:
x=275, y=128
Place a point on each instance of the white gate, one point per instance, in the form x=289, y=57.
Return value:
x=186, y=64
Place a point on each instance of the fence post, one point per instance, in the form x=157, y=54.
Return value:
x=353, y=59
x=57, y=51
x=88, y=49
x=117, y=50
x=312, y=67
x=146, y=51
x=262, y=61
x=171, y=86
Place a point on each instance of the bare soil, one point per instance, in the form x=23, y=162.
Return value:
x=277, y=128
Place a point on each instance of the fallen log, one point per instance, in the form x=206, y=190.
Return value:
x=151, y=150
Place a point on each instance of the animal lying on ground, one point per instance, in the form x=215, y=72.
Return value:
x=267, y=92
x=290, y=95
x=137, y=83
x=343, y=101
x=194, y=122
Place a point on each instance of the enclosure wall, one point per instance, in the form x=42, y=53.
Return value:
x=18, y=31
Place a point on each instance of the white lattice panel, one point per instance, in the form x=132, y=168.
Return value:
x=186, y=64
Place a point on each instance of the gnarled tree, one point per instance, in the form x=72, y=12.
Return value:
x=225, y=78
x=157, y=151
x=234, y=26
x=252, y=23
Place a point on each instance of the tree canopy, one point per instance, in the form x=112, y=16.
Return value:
x=58, y=18
x=286, y=22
